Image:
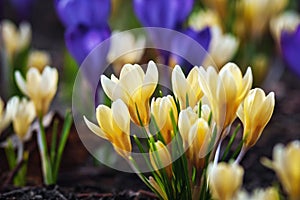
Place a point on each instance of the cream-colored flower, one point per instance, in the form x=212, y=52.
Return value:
x=187, y=118
x=155, y=185
x=125, y=48
x=286, y=162
x=5, y=117
x=114, y=126
x=160, y=109
x=38, y=59
x=255, y=112
x=254, y=15
x=196, y=135
x=205, y=112
x=135, y=88
x=40, y=88
x=22, y=115
x=15, y=40
x=287, y=21
x=204, y=18
x=220, y=6
x=221, y=48
x=259, y=194
x=225, y=180
x=225, y=91
x=160, y=158
x=186, y=88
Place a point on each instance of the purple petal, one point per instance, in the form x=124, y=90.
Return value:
x=166, y=14
x=89, y=13
x=194, y=48
x=81, y=40
x=290, y=48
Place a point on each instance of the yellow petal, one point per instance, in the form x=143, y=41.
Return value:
x=121, y=115
x=21, y=83
x=94, y=128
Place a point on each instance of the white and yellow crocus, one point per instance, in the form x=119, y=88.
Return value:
x=286, y=162
x=225, y=180
x=255, y=112
x=114, y=126
x=39, y=87
x=225, y=91
x=160, y=157
x=161, y=108
x=38, y=59
x=186, y=88
x=5, y=117
x=22, y=114
x=15, y=40
x=135, y=88
x=196, y=135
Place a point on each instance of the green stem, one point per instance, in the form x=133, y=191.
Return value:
x=42, y=144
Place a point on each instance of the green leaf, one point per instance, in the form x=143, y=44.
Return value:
x=62, y=142
x=10, y=155
x=53, y=142
x=232, y=138
x=46, y=163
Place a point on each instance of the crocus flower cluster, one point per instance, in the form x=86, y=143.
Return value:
x=86, y=24
x=193, y=122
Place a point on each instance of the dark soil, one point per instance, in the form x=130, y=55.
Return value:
x=77, y=193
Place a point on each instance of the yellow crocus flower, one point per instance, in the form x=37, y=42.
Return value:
x=22, y=114
x=160, y=158
x=196, y=136
x=15, y=40
x=225, y=180
x=135, y=88
x=125, y=48
x=259, y=194
x=160, y=109
x=158, y=189
x=221, y=49
x=204, y=18
x=114, y=126
x=184, y=88
x=39, y=87
x=5, y=117
x=38, y=59
x=286, y=162
x=186, y=119
x=255, y=112
x=225, y=91
x=254, y=16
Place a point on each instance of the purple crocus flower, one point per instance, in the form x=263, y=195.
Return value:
x=87, y=12
x=81, y=40
x=192, y=49
x=86, y=23
x=290, y=48
x=166, y=14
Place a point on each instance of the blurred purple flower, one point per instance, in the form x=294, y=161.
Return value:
x=166, y=14
x=86, y=12
x=81, y=40
x=194, y=48
x=290, y=47
x=22, y=7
